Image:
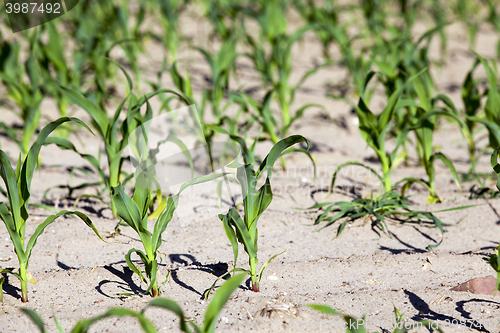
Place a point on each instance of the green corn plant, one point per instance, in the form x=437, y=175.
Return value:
x=319, y=17
x=224, y=16
x=134, y=212
x=374, y=130
x=353, y=325
x=218, y=96
x=212, y=312
x=276, y=68
x=410, y=12
x=469, y=15
x=255, y=201
x=27, y=95
x=438, y=13
x=15, y=214
x=113, y=131
x=96, y=29
x=492, y=105
x=375, y=15
x=53, y=55
x=328, y=28
x=397, y=60
x=424, y=124
x=494, y=19
x=221, y=66
x=169, y=13
x=358, y=62
x=421, y=118
x=275, y=65
x=486, y=115
x=471, y=98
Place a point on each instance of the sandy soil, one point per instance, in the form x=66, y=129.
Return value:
x=362, y=273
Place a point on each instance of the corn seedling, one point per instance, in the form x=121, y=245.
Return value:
x=468, y=14
x=374, y=129
x=27, y=95
x=494, y=19
x=353, y=325
x=421, y=118
x=134, y=212
x=276, y=67
x=219, y=12
x=423, y=125
x=113, y=131
x=169, y=12
x=492, y=105
x=326, y=24
x=320, y=17
x=375, y=15
x=471, y=97
x=221, y=65
x=398, y=60
x=255, y=202
x=212, y=312
x=97, y=28
x=15, y=214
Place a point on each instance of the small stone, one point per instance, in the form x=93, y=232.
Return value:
x=482, y=286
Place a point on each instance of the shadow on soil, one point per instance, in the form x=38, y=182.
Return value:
x=10, y=289
x=425, y=313
x=126, y=282
x=190, y=262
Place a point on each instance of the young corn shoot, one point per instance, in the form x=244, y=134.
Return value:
x=491, y=118
x=27, y=95
x=255, y=201
x=134, y=212
x=15, y=214
x=374, y=129
x=276, y=68
x=114, y=131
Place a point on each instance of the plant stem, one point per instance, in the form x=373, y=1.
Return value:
x=285, y=107
x=114, y=173
x=253, y=274
x=387, y=176
x=24, y=282
x=2, y=279
x=154, y=291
